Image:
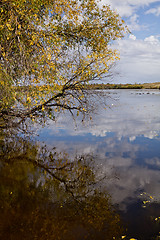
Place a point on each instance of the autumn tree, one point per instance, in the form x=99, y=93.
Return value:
x=49, y=50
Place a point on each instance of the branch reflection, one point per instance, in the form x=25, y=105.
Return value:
x=45, y=195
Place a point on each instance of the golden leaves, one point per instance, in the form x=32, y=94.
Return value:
x=28, y=99
x=63, y=43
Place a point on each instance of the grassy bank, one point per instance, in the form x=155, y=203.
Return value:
x=124, y=86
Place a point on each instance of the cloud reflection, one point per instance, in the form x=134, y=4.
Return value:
x=135, y=113
x=120, y=139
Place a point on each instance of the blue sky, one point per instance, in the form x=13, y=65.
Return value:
x=140, y=50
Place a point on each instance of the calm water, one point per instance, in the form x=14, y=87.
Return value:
x=122, y=147
x=125, y=140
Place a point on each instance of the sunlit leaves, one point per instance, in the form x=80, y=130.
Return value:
x=51, y=47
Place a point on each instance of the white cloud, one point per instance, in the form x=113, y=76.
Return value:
x=152, y=40
x=149, y=47
x=134, y=18
x=127, y=8
x=133, y=23
x=123, y=8
x=140, y=60
x=155, y=11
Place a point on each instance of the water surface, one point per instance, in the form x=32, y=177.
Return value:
x=58, y=185
x=125, y=141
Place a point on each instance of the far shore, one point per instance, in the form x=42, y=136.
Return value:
x=155, y=85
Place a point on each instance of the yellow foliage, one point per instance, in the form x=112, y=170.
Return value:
x=63, y=45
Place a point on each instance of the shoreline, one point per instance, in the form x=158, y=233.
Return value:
x=95, y=86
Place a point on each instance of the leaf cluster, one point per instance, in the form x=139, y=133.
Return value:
x=49, y=49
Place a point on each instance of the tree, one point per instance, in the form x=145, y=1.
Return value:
x=49, y=50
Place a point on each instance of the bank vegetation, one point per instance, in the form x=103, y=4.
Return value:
x=94, y=86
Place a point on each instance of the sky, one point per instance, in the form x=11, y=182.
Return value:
x=140, y=50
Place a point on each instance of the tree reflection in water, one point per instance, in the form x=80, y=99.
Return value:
x=44, y=195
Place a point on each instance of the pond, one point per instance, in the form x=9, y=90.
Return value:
x=116, y=152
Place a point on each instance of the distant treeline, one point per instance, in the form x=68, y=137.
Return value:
x=123, y=86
